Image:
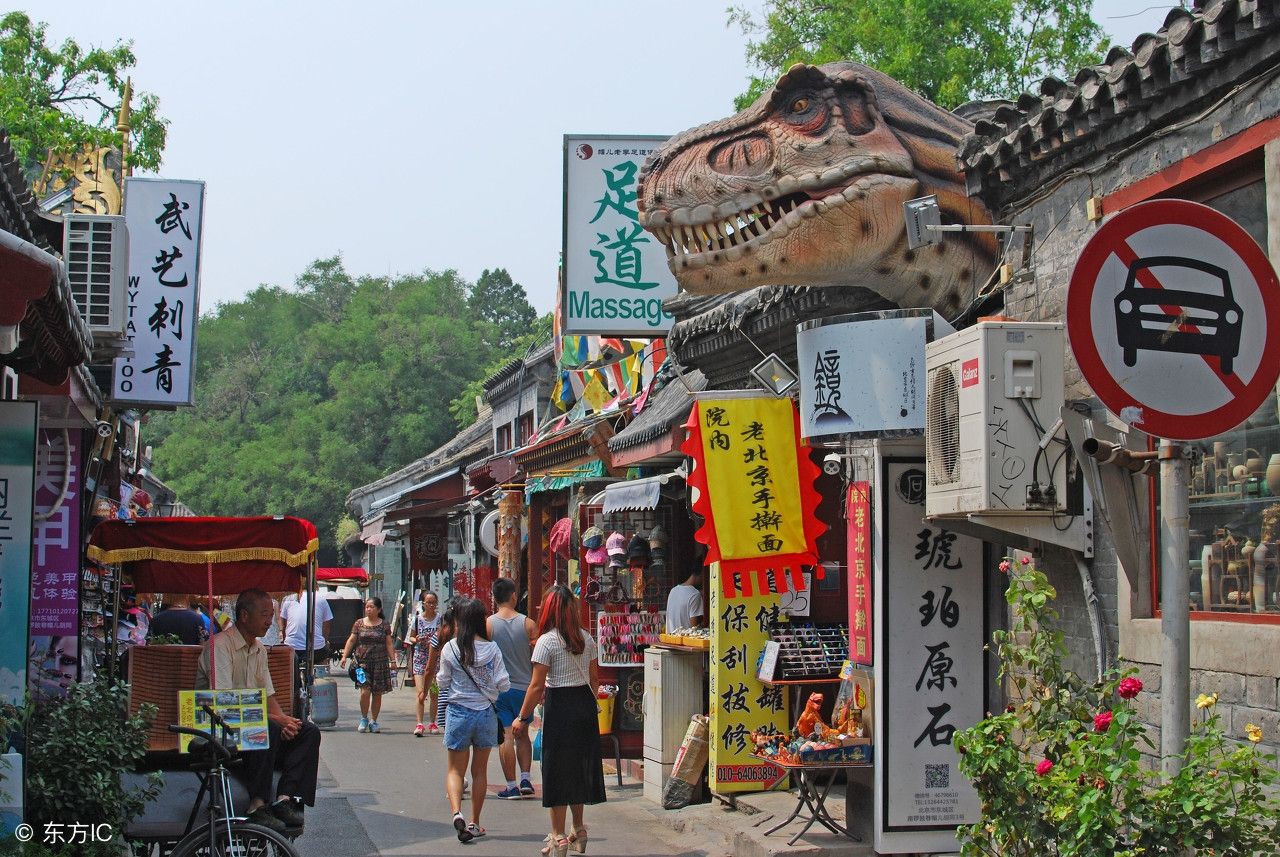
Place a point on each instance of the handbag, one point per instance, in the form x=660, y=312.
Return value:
x=497, y=720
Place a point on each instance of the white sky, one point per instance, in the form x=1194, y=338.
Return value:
x=416, y=134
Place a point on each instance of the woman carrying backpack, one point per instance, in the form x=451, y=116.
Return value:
x=472, y=671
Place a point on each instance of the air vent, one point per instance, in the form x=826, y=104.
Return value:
x=96, y=251
x=942, y=425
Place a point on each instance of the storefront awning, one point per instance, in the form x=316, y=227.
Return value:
x=637, y=494
x=391, y=500
x=556, y=480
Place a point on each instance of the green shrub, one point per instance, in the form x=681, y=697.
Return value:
x=1060, y=772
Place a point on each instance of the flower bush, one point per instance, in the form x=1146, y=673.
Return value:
x=1060, y=772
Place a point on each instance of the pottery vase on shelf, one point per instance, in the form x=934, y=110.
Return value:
x=1254, y=462
x=1273, y=475
x=1265, y=557
x=1206, y=576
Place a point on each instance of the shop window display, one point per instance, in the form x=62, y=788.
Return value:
x=1235, y=482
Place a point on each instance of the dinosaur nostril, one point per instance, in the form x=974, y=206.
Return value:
x=750, y=155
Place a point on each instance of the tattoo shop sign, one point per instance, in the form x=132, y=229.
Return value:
x=739, y=701
x=164, y=219
x=753, y=486
x=615, y=273
x=931, y=582
x=862, y=375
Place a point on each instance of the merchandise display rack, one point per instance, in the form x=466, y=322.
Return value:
x=809, y=652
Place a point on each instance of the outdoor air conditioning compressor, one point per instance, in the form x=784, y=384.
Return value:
x=96, y=250
x=993, y=392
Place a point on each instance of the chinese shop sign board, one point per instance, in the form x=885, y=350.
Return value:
x=739, y=701
x=861, y=638
x=428, y=544
x=165, y=218
x=615, y=273
x=862, y=375
x=1173, y=312
x=17, y=496
x=753, y=486
x=55, y=573
x=931, y=675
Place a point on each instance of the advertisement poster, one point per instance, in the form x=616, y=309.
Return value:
x=17, y=492
x=739, y=701
x=244, y=710
x=615, y=273
x=165, y=218
x=55, y=573
x=934, y=633
x=428, y=544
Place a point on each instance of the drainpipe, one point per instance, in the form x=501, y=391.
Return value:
x=1175, y=609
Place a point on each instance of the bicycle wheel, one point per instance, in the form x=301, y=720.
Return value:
x=247, y=840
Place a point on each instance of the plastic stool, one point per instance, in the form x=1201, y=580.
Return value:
x=617, y=754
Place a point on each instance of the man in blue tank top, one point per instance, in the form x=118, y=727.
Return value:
x=515, y=634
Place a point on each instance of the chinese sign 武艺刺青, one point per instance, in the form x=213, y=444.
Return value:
x=861, y=638
x=164, y=219
x=933, y=619
x=615, y=273
x=739, y=701
x=755, y=492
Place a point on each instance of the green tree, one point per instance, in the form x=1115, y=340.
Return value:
x=949, y=51
x=62, y=97
x=463, y=406
x=504, y=304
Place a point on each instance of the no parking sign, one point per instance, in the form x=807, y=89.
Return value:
x=1173, y=313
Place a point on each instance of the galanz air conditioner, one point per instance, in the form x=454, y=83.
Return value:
x=992, y=393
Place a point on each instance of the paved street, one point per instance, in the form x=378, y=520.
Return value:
x=384, y=795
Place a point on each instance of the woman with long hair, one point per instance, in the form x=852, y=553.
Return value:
x=421, y=627
x=471, y=669
x=375, y=652
x=565, y=673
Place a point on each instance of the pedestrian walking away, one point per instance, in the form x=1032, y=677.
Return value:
x=442, y=634
x=514, y=634
x=375, y=652
x=421, y=627
x=565, y=675
x=472, y=670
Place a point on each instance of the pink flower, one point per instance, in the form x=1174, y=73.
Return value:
x=1026, y=560
x=1102, y=721
x=1044, y=767
x=1129, y=688
x=1004, y=566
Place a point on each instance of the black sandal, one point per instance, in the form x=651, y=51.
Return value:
x=460, y=825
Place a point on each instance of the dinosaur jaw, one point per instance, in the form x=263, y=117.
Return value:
x=762, y=224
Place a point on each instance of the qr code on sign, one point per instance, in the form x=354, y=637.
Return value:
x=937, y=776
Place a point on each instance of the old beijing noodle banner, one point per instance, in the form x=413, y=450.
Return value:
x=753, y=486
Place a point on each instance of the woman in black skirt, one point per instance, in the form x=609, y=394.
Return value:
x=565, y=670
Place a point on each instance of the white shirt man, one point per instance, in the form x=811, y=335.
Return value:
x=685, y=607
x=293, y=615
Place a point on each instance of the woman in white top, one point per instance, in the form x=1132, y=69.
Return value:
x=421, y=626
x=565, y=672
x=471, y=669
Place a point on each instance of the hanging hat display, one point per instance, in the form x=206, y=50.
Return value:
x=616, y=545
x=657, y=538
x=559, y=537
x=592, y=538
x=638, y=550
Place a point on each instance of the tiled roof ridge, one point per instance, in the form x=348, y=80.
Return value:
x=1038, y=129
x=16, y=197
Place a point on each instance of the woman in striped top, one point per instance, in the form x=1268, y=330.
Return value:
x=565, y=672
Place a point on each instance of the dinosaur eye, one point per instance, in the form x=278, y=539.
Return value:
x=800, y=105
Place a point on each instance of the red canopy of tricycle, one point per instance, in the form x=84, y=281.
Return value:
x=219, y=556
x=353, y=576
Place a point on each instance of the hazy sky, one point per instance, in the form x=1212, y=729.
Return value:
x=410, y=135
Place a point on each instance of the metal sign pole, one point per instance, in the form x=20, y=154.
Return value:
x=1175, y=609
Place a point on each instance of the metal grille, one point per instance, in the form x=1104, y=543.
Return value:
x=942, y=426
x=88, y=256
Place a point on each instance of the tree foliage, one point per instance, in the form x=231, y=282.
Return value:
x=949, y=51
x=538, y=332
x=503, y=303
x=62, y=97
x=304, y=394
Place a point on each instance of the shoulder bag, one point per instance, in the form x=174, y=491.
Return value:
x=497, y=720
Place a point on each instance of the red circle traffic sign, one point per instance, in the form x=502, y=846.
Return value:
x=1173, y=314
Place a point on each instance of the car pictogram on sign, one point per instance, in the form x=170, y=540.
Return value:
x=1151, y=317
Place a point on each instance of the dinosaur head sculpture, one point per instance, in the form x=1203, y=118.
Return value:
x=806, y=186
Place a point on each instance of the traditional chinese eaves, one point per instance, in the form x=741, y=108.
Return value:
x=667, y=408
x=568, y=446
x=505, y=379
x=724, y=335
x=1195, y=59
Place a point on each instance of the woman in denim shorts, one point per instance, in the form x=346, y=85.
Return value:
x=472, y=670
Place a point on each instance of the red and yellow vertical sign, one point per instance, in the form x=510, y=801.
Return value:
x=860, y=604
x=740, y=702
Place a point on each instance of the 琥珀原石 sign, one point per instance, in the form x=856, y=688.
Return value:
x=615, y=274
x=862, y=375
x=1173, y=313
x=165, y=218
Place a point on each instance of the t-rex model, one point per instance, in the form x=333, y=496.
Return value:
x=805, y=187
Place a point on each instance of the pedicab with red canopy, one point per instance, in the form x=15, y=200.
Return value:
x=202, y=557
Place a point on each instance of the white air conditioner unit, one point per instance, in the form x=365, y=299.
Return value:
x=993, y=391
x=95, y=248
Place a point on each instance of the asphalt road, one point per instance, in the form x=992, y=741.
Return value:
x=384, y=795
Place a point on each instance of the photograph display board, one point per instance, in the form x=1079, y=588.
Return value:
x=245, y=711
x=933, y=682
